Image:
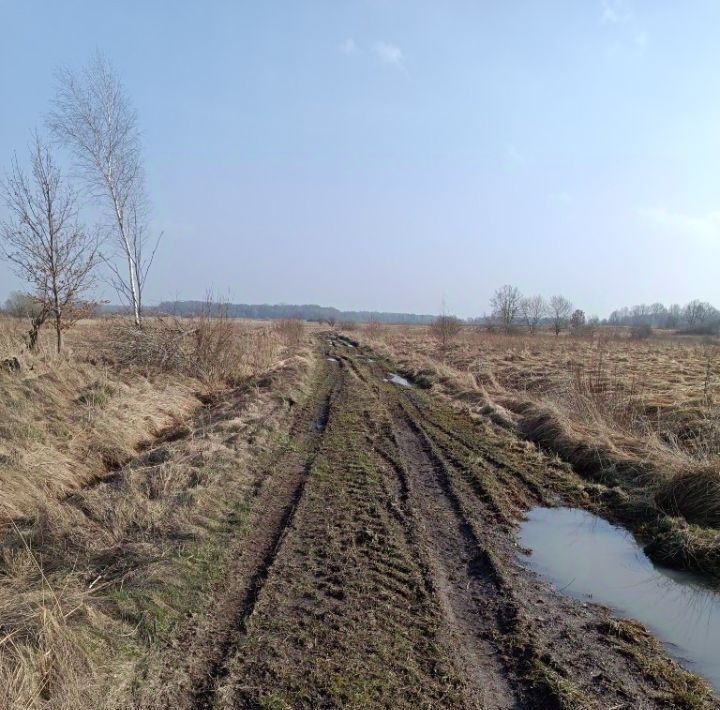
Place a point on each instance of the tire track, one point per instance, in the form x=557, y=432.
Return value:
x=462, y=576
x=276, y=507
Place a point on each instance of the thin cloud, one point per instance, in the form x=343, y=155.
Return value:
x=389, y=54
x=513, y=154
x=563, y=197
x=704, y=227
x=615, y=12
x=348, y=46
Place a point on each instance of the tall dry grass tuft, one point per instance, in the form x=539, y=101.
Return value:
x=290, y=331
x=694, y=495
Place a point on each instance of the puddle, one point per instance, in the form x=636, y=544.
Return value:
x=332, y=359
x=587, y=558
x=397, y=380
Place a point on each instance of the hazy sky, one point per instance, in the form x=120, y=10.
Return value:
x=389, y=154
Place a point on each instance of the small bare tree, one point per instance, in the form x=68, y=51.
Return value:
x=445, y=328
x=532, y=309
x=559, y=309
x=44, y=241
x=505, y=306
x=578, y=322
x=94, y=118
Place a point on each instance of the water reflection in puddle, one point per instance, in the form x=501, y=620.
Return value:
x=397, y=380
x=332, y=359
x=588, y=558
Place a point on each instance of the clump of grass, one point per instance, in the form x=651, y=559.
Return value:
x=694, y=495
x=290, y=330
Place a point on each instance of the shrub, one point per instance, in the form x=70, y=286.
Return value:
x=445, y=328
x=641, y=332
x=374, y=328
x=212, y=349
x=290, y=330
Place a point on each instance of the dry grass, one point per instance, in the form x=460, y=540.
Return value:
x=644, y=413
x=104, y=548
x=290, y=330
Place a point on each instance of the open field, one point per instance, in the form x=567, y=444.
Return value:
x=298, y=532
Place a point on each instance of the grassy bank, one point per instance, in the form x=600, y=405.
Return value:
x=122, y=481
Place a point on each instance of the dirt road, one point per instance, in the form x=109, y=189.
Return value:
x=378, y=568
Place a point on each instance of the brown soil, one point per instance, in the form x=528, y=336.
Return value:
x=377, y=567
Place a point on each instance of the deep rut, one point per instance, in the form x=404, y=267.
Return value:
x=279, y=493
x=461, y=576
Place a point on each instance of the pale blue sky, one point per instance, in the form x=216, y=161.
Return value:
x=387, y=154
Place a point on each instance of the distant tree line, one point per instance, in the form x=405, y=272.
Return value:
x=312, y=312
x=510, y=309
x=696, y=316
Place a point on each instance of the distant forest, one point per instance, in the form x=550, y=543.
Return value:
x=305, y=312
x=694, y=317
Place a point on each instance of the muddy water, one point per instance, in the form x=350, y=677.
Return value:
x=587, y=558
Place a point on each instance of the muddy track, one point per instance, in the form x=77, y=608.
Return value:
x=378, y=568
x=277, y=502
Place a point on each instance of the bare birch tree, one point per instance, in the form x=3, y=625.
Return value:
x=94, y=118
x=532, y=309
x=44, y=241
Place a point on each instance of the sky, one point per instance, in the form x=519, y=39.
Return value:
x=404, y=155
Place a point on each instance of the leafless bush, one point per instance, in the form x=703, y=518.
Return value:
x=212, y=348
x=158, y=347
x=445, y=329
x=374, y=328
x=213, y=356
x=641, y=332
x=348, y=325
x=290, y=330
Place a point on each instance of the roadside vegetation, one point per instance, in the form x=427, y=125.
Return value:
x=125, y=461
